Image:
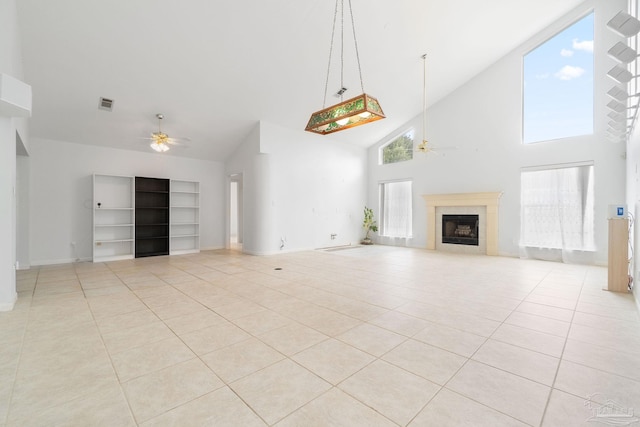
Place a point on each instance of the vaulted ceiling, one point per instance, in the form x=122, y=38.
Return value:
x=214, y=69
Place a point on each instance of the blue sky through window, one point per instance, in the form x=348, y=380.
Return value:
x=558, y=85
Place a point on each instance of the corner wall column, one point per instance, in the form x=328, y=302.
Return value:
x=15, y=101
x=431, y=226
x=8, y=294
x=259, y=236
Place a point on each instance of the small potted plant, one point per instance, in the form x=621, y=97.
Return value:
x=369, y=224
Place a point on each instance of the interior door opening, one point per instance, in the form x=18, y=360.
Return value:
x=235, y=212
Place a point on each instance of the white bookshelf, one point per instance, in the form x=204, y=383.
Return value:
x=113, y=218
x=184, y=217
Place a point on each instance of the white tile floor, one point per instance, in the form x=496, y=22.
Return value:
x=360, y=337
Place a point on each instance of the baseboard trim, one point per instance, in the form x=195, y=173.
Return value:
x=8, y=306
x=59, y=261
x=212, y=248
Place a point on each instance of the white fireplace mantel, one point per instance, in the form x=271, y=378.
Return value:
x=489, y=200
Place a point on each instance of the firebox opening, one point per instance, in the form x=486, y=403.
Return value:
x=460, y=229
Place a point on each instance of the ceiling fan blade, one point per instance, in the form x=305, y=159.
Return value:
x=179, y=139
x=174, y=141
x=427, y=148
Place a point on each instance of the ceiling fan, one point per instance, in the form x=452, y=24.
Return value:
x=160, y=141
x=426, y=147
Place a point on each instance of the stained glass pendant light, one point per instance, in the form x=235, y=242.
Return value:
x=353, y=112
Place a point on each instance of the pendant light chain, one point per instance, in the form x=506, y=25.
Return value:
x=333, y=32
x=341, y=47
x=355, y=41
x=356, y=111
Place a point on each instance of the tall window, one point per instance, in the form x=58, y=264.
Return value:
x=396, y=209
x=558, y=85
x=399, y=149
x=557, y=208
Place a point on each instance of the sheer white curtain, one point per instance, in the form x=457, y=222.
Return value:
x=557, y=210
x=396, y=209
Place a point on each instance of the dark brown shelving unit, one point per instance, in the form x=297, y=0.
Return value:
x=152, y=217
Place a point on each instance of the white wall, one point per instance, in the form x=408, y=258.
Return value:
x=10, y=64
x=318, y=188
x=298, y=187
x=241, y=162
x=22, y=210
x=11, y=57
x=61, y=194
x=483, y=120
x=234, y=211
x=8, y=293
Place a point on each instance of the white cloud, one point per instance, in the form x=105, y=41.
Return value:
x=585, y=45
x=566, y=53
x=569, y=73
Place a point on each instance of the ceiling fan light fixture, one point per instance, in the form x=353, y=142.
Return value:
x=159, y=140
x=159, y=146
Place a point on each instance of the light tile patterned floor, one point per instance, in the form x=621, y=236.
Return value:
x=370, y=336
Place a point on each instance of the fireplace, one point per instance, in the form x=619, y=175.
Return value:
x=460, y=229
x=483, y=204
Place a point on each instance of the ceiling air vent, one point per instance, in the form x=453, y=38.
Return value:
x=105, y=104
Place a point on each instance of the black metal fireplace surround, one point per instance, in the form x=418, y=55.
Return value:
x=460, y=229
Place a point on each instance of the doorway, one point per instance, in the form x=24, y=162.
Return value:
x=235, y=212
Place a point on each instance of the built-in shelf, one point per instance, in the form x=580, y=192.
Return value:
x=102, y=208
x=140, y=217
x=152, y=216
x=113, y=217
x=185, y=217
